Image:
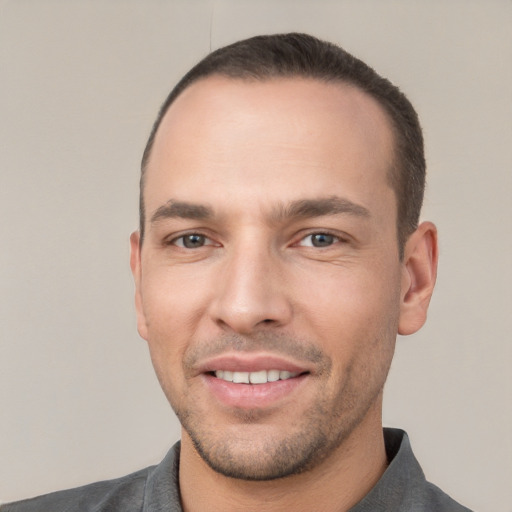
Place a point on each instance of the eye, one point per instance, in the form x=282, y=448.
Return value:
x=319, y=240
x=192, y=241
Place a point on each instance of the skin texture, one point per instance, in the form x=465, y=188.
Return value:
x=255, y=171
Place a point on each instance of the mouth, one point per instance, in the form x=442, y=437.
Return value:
x=255, y=377
x=249, y=381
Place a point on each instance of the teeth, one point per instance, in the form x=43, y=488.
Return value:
x=241, y=377
x=261, y=377
x=258, y=377
x=273, y=375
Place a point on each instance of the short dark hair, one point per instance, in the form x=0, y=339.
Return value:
x=301, y=55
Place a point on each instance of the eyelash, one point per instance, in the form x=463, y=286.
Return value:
x=337, y=239
x=336, y=236
x=182, y=237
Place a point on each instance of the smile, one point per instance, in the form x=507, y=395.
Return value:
x=251, y=380
x=259, y=377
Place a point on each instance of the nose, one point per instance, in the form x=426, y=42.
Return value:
x=251, y=292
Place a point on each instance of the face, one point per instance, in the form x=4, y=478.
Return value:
x=269, y=282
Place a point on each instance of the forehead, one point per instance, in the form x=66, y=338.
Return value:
x=274, y=135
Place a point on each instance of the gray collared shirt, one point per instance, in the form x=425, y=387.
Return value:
x=402, y=488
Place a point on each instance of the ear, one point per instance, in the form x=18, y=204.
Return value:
x=135, y=265
x=418, y=278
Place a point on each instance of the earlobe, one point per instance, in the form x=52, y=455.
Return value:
x=135, y=265
x=418, y=278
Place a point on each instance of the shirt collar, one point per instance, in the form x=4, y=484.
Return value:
x=398, y=486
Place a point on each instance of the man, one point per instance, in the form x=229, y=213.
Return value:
x=278, y=256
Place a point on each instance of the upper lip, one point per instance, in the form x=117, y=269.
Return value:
x=244, y=362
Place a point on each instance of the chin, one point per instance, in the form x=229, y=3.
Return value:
x=262, y=461
x=261, y=452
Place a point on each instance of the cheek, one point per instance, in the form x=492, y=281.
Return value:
x=349, y=311
x=343, y=291
x=173, y=298
x=356, y=324
x=172, y=307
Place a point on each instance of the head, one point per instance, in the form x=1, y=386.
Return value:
x=291, y=55
x=271, y=283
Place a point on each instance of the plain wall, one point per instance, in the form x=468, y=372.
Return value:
x=81, y=82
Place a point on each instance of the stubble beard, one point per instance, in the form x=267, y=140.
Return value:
x=252, y=448
x=274, y=453
x=268, y=458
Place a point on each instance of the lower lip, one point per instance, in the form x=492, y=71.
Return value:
x=253, y=396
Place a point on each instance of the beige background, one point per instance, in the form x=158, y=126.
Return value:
x=81, y=82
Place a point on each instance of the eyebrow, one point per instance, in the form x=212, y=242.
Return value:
x=301, y=208
x=180, y=209
x=309, y=208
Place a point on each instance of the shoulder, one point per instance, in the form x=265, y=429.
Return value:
x=153, y=488
x=403, y=486
x=125, y=493
x=440, y=501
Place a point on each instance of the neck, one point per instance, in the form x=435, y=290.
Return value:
x=336, y=484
